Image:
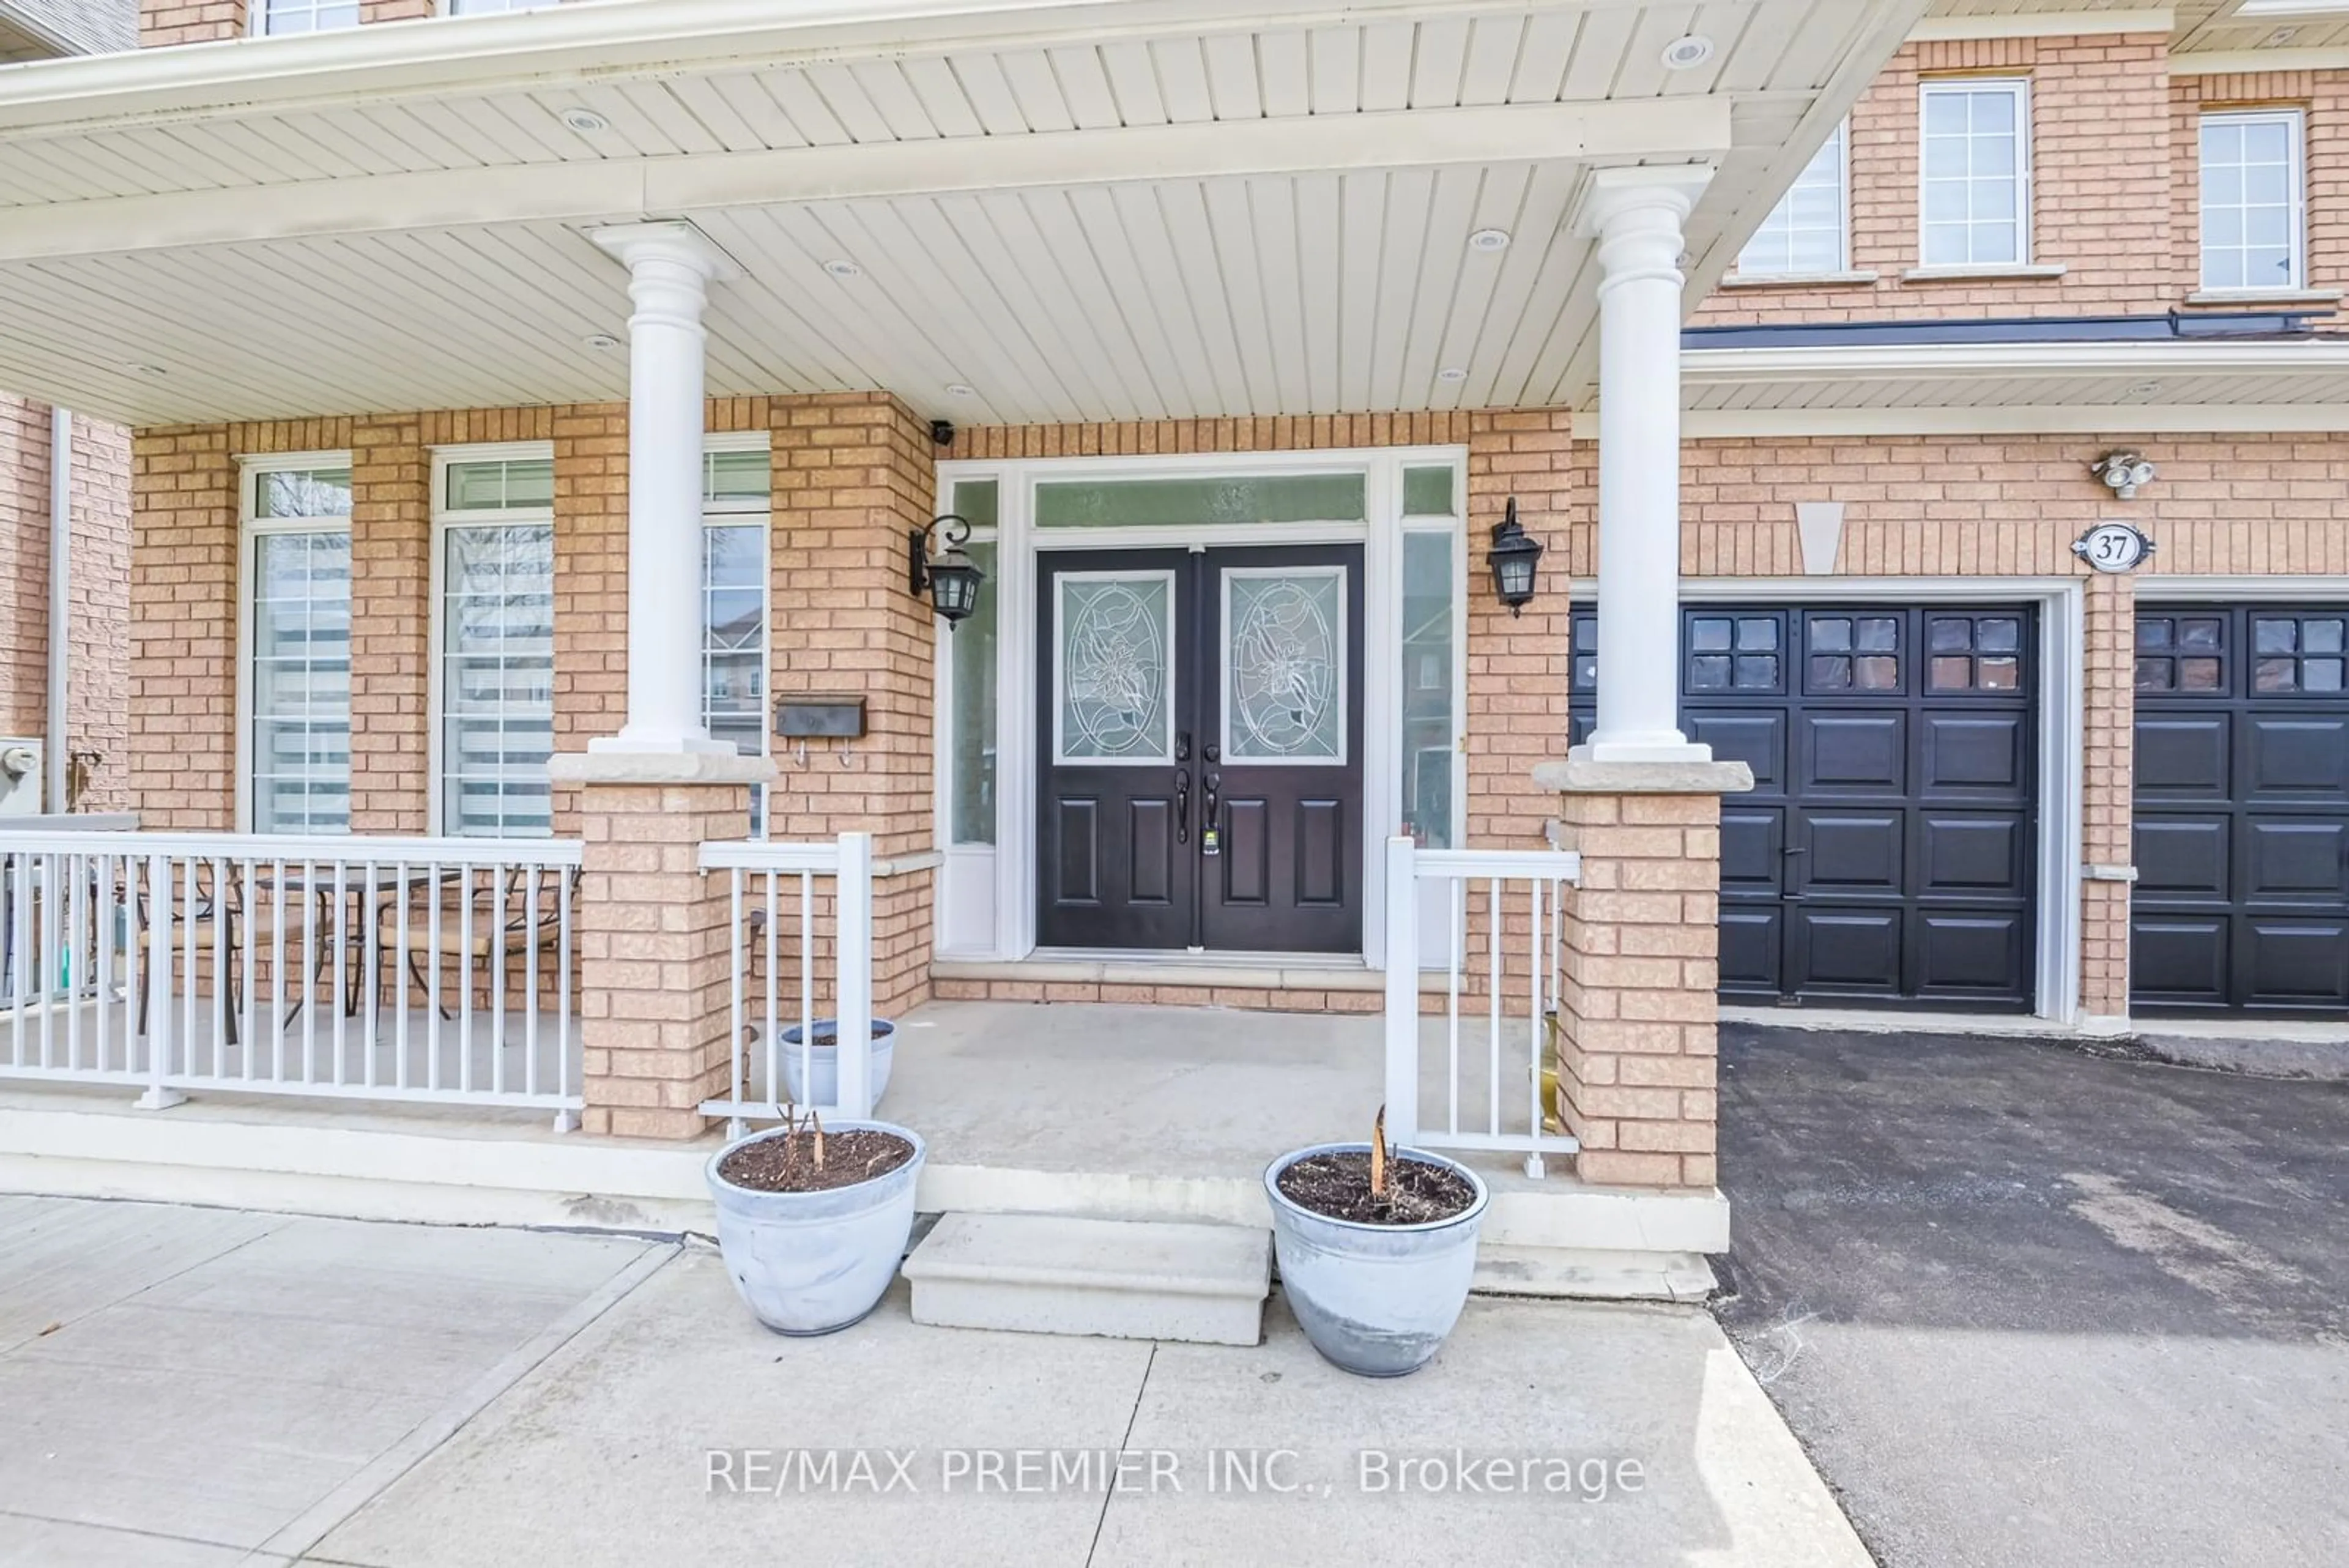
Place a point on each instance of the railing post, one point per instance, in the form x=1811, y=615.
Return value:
x=853, y=951
x=1402, y=989
x=160, y=1095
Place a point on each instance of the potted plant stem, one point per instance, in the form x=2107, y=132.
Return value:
x=812, y=1222
x=1377, y=1247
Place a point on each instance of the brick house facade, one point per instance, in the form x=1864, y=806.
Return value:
x=1892, y=446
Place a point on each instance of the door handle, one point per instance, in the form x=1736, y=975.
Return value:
x=1182, y=806
x=1794, y=850
x=1214, y=782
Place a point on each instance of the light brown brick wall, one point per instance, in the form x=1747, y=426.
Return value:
x=2113, y=174
x=164, y=22
x=24, y=565
x=99, y=505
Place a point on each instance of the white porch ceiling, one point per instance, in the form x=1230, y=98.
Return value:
x=1133, y=209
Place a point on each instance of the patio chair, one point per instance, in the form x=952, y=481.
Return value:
x=492, y=941
x=212, y=916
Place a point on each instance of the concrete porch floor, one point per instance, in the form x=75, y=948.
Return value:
x=1113, y=1111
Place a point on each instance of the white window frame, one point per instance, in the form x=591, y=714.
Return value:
x=251, y=526
x=448, y=8
x=2018, y=88
x=2296, y=122
x=1842, y=141
x=742, y=513
x=256, y=22
x=445, y=518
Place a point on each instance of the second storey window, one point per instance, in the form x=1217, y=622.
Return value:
x=2252, y=219
x=1804, y=234
x=1976, y=173
x=274, y=16
x=495, y=522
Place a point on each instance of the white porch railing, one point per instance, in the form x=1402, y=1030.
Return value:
x=1499, y=1086
x=425, y=970
x=793, y=944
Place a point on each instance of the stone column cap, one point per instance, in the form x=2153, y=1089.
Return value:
x=658, y=768
x=1581, y=775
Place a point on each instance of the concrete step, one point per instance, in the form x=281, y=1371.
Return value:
x=1124, y=1279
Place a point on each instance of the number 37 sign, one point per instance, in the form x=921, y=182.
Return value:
x=2113, y=547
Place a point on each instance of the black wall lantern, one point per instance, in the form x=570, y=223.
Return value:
x=952, y=580
x=1513, y=558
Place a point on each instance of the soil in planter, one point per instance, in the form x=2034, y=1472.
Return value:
x=827, y=1039
x=788, y=1164
x=1338, y=1186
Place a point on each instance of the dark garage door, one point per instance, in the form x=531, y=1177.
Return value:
x=2242, y=810
x=1885, y=854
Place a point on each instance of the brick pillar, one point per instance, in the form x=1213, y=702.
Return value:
x=653, y=933
x=1640, y=943
x=2109, y=713
x=391, y=574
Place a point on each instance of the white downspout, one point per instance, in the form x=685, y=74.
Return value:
x=60, y=600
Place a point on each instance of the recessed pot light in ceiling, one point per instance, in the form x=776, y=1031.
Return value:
x=586, y=121
x=1489, y=240
x=602, y=342
x=139, y=368
x=1687, y=52
x=1452, y=373
x=842, y=267
x=2144, y=388
x=961, y=389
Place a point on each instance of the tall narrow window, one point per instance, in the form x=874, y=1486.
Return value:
x=490, y=7
x=735, y=487
x=2251, y=205
x=496, y=527
x=971, y=782
x=276, y=17
x=1804, y=236
x=1976, y=173
x=298, y=684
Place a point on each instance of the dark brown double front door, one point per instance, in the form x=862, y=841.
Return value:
x=1199, y=724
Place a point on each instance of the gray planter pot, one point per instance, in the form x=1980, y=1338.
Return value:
x=1375, y=1298
x=812, y=1262
x=819, y=1086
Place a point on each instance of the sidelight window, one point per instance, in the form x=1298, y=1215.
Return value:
x=297, y=677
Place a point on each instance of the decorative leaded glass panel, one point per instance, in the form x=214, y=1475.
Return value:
x=1231, y=498
x=1284, y=665
x=1117, y=655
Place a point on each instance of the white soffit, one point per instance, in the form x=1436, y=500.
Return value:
x=1134, y=208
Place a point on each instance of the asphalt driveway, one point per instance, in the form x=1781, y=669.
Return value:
x=2030, y=1307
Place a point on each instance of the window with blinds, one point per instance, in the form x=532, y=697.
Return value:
x=496, y=537
x=735, y=498
x=297, y=524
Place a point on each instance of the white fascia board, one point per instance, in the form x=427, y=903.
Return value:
x=550, y=46
x=2231, y=62
x=1909, y=362
x=2042, y=24
x=620, y=189
x=2019, y=419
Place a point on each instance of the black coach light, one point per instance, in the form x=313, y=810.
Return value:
x=952, y=580
x=1513, y=557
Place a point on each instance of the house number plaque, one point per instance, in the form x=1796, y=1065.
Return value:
x=2113, y=547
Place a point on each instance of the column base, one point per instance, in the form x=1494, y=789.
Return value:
x=1670, y=746
x=604, y=763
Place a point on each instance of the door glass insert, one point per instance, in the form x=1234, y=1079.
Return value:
x=1284, y=665
x=1117, y=649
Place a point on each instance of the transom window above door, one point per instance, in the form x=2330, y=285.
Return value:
x=1202, y=502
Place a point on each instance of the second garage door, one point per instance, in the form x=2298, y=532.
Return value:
x=2242, y=810
x=1885, y=854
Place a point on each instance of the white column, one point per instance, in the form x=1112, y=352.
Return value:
x=670, y=269
x=1637, y=214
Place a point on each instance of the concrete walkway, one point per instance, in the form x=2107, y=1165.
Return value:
x=226, y=1388
x=2025, y=1304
